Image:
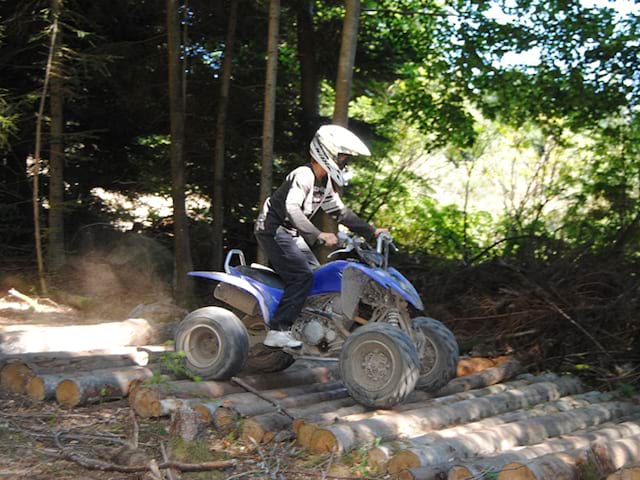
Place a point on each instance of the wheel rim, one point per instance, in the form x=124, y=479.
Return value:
x=428, y=355
x=374, y=365
x=203, y=346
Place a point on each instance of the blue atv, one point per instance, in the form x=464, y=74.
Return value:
x=360, y=312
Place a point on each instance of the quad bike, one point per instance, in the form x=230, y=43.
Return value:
x=360, y=312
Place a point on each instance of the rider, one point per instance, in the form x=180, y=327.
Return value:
x=285, y=233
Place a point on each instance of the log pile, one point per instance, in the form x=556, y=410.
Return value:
x=488, y=424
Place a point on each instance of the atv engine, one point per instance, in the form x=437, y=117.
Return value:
x=318, y=331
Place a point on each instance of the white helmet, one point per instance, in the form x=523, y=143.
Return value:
x=332, y=141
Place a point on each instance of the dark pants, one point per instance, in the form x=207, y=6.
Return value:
x=292, y=259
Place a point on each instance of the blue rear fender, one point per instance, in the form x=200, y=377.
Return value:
x=267, y=297
x=391, y=279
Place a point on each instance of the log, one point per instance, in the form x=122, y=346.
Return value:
x=412, y=404
x=490, y=376
x=43, y=338
x=379, y=456
x=18, y=370
x=43, y=387
x=225, y=414
x=14, y=376
x=263, y=428
x=343, y=437
x=145, y=396
x=525, y=432
x=98, y=385
x=615, y=455
x=467, y=366
x=627, y=473
x=304, y=428
x=50, y=362
x=187, y=425
x=491, y=465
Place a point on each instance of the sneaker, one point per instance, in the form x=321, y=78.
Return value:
x=276, y=338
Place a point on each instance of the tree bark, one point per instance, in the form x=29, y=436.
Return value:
x=182, y=254
x=219, y=160
x=525, y=432
x=55, y=251
x=268, y=127
x=343, y=437
x=98, y=385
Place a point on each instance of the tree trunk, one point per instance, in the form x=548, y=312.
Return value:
x=98, y=385
x=143, y=400
x=55, y=251
x=343, y=437
x=218, y=161
x=268, y=127
x=43, y=387
x=182, y=254
x=30, y=338
x=348, y=45
x=525, y=432
x=489, y=376
x=309, y=82
x=346, y=62
x=55, y=30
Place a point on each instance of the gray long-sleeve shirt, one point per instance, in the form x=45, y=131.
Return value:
x=298, y=199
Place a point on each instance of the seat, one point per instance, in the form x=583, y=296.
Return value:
x=263, y=275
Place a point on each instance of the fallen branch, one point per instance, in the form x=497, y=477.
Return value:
x=249, y=388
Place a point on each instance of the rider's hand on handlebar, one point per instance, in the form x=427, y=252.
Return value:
x=328, y=239
x=379, y=231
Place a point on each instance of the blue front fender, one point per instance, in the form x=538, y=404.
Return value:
x=392, y=279
x=242, y=284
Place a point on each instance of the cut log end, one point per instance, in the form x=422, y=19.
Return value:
x=323, y=441
x=629, y=473
x=68, y=393
x=14, y=377
x=402, y=461
x=459, y=472
x=378, y=459
x=35, y=389
x=252, y=432
x=305, y=433
x=204, y=412
x=296, y=425
x=516, y=471
x=225, y=418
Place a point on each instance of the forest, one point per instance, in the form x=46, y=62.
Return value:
x=505, y=139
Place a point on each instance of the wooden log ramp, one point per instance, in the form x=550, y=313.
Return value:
x=144, y=399
x=348, y=435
